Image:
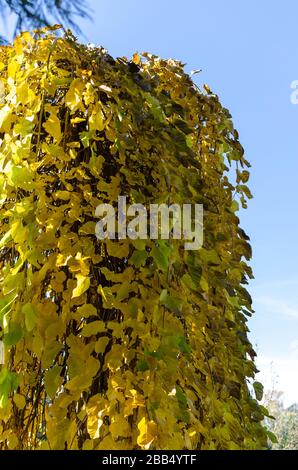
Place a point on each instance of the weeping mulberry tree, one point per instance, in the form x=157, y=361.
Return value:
x=119, y=344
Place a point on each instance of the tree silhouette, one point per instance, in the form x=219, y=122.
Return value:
x=36, y=14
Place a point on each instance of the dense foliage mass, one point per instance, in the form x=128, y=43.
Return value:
x=119, y=344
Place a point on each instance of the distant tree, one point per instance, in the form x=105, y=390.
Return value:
x=39, y=13
x=285, y=425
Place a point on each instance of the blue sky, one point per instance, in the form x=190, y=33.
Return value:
x=248, y=53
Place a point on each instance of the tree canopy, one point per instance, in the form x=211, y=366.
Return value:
x=119, y=344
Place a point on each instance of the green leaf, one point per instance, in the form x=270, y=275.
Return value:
x=53, y=381
x=234, y=206
x=272, y=437
x=155, y=354
x=8, y=383
x=188, y=282
x=181, y=398
x=163, y=296
x=24, y=127
x=4, y=392
x=20, y=177
x=139, y=258
x=259, y=390
x=183, y=345
x=4, y=304
x=139, y=244
x=171, y=303
x=162, y=253
x=14, y=380
x=160, y=258
x=6, y=238
x=204, y=284
x=85, y=137
x=142, y=365
x=209, y=256
x=29, y=311
x=155, y=107
x=3, y=375
x=194, y=269
x=14, y=335
x=182, y=401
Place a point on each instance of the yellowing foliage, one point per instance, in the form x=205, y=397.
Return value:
x=119, y=344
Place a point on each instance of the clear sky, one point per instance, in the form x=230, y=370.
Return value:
x=248, y=53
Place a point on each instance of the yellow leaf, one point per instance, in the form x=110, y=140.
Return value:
x=12, y=69
x=101, y=291
x=114, y=358
x=5, y=118
x=96, y=121
x=147, y=433
x=52, y=126
x=120, y=427
x=93, y=328
x=87, y=310
x=19, y=400
x=22, y=92
x=94, y=424
x=73, y=97
x=18, y=45
x=87, y=229
x=64, y=195
x=12, y=441
x=79, y=265
x=136, y=58
x=95, y=410
x=77, y=120
x=88, y=444
x=18, y=232
x=6, y=238
x=62, y=260
x=83, y=284
x=24, y=126
x=101, y=344
x=37, y=346
x=89, y=94
x=137, y=401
